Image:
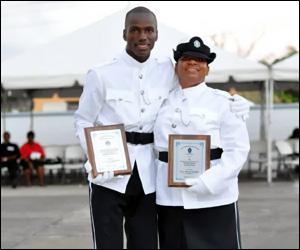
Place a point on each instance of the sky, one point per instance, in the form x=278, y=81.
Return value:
x=257, y=30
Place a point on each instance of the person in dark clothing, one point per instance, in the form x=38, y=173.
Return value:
x=9, y=155
x=295, y=134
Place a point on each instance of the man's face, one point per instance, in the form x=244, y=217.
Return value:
x=6, y=137
x=191, y=70
x=140, y=35
x=30, y=138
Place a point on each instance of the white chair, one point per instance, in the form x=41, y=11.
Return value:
x=257, y=154
x=74, y=160
x=295, y=145
x=54, y=161
x=287, y=157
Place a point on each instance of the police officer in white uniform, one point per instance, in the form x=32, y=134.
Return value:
x=129, y=90
x=204, y=215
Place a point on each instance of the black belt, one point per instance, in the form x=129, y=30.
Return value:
x=215, y=153
x=139, y=138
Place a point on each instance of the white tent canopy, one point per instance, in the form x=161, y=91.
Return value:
x=65, y=60
x=228, y=64
x=287, y=70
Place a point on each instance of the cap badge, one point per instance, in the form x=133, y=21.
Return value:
x=197, y=44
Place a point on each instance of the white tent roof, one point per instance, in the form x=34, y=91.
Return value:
x=67, y=59
x=287, y=70
x=229, y=64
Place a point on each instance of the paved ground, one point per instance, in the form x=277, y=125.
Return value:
x=57, y=217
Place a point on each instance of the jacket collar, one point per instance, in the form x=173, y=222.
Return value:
x=195, y=91
x=134, y=63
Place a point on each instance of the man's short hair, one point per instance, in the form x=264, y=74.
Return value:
x=139, y=10
x=30, y=133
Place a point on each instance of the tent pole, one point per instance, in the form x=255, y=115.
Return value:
x=262, y=132
x=4, y=109
x=269, y=124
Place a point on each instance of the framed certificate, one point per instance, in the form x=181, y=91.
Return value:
x=107, y=149
x=189, y=157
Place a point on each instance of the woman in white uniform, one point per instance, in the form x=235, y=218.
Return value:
x=204, y=215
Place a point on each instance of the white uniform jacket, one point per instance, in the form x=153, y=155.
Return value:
x=208, y=111
x=124, y=91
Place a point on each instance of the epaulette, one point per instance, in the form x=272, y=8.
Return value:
x=162, y=59
x=222, y=93
x=106, y=62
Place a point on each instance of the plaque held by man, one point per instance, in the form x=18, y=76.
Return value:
x=107, y=149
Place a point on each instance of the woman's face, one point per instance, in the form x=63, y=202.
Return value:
x=191, y=70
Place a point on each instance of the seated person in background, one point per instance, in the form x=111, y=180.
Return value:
x=9, y=155
x=32, y=156
x=295, y=134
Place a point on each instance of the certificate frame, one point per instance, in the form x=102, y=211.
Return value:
x=176, y=143
x=121, y=149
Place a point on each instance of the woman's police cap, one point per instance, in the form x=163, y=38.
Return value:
x=195, y=47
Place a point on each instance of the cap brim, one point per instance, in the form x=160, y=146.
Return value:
x=196, y=54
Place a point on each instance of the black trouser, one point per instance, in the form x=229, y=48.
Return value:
x=205, y=228
x=35, y=164
x=13, y=169
x=108, y=208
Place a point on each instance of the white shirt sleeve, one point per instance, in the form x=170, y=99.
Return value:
x=90, y=105
x=236, y=146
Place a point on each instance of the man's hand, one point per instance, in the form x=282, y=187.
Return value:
x=102, y=178
x=88, y=167
x=240, y=107
x=4, y=159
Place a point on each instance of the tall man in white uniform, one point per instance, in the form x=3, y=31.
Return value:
x=129, y=90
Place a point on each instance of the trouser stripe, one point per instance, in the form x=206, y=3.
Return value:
x=92, y=217
x=237, y=226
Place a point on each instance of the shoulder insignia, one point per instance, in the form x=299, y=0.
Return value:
x=106, y=62
x=162, y=59
x=222, y=93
